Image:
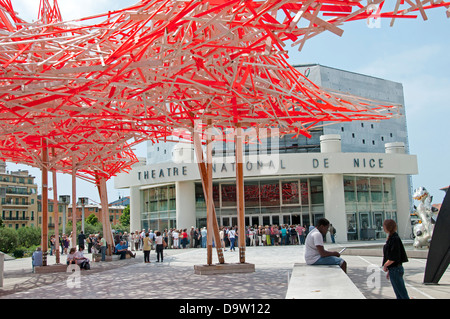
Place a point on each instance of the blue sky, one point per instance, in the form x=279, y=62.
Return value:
x=413, y=52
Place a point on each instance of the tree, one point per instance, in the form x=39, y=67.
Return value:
x=9, y=239
x=92, y=220
x=125, y=217
x=29, y=236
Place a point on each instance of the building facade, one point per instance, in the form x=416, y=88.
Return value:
x=18, y=193
x=355, y=174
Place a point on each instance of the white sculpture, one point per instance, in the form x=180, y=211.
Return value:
x=423, y=230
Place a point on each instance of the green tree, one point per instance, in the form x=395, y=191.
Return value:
x=92, y=220
x=29, y=236
x=9, y=240
x=125, y=217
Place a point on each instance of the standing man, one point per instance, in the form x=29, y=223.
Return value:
x=332, y=233
x=232, y=238
x=81, y=238
x=315, y=253
x=204, y=234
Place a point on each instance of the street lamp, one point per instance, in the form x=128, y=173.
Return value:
x=65, y=199
x=83, y=201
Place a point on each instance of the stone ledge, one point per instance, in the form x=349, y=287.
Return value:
x=219, y=269
x=373, y=252
x=321, y=282
x=50, y=268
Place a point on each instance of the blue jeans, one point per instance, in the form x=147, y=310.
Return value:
x=232, y=243
x=396, y=278
x=330, y=260
x=103, y=250
x=204, y=241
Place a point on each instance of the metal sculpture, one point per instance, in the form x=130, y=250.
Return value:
x=423, y=229
x=439, y=254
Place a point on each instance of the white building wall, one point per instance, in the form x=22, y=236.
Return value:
x=135, y=209
x=185, y=204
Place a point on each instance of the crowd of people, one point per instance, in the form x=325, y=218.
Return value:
x=145, y=240
x=270, y=235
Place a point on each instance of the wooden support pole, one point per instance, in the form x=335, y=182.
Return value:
x=55, y=214
x=107, y=233
x=203, y=175
x=74, y=206
x=240, y=192
x=209, y=194
x=44, y=237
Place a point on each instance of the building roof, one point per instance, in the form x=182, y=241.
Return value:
x=122, y=201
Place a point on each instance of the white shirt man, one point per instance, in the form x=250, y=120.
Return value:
x=315, y=253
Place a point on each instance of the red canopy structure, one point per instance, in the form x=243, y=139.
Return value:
x=84, y=88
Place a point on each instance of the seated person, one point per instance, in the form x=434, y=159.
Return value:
x=37, y=258
x=122, y=250
x=71, y=256
x=315, y=254
x=82, y=261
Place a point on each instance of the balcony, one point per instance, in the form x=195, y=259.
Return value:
x=16, y=218
x=15, y=204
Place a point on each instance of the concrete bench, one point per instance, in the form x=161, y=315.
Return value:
x=321, y=282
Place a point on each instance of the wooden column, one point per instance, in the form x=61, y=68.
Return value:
x=209, y=194
x=74, y=205
x=107, y=233
x=203, y=175
x=56, y=215
x=44, y=237
x=240, y=192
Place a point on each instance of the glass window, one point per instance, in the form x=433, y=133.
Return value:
x=362, y=193
x=352, y=227
x=350, y=193
x=376, y=192
x=216, y=195
x=270, y=193
x=251, y=194
x=389, y=193
x=228, y=195
x=199, y=197
x=316, y=191
x=378, y=224
x=304, y=192
x=275, y=220
x=290, y=192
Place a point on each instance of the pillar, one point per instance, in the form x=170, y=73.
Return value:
x=185, y=204
x=333, y=191
x=135, y=209
x=402, y=193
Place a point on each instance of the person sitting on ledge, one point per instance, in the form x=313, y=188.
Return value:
x=36, y=258
x=71, y=256
x=122, y=250
x=81, y=260
x=315, y=253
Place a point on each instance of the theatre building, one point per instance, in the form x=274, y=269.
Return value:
x=355, y=174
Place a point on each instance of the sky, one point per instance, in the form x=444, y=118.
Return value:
x=412, y=52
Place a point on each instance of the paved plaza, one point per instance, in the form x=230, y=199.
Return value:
x=175, y=278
